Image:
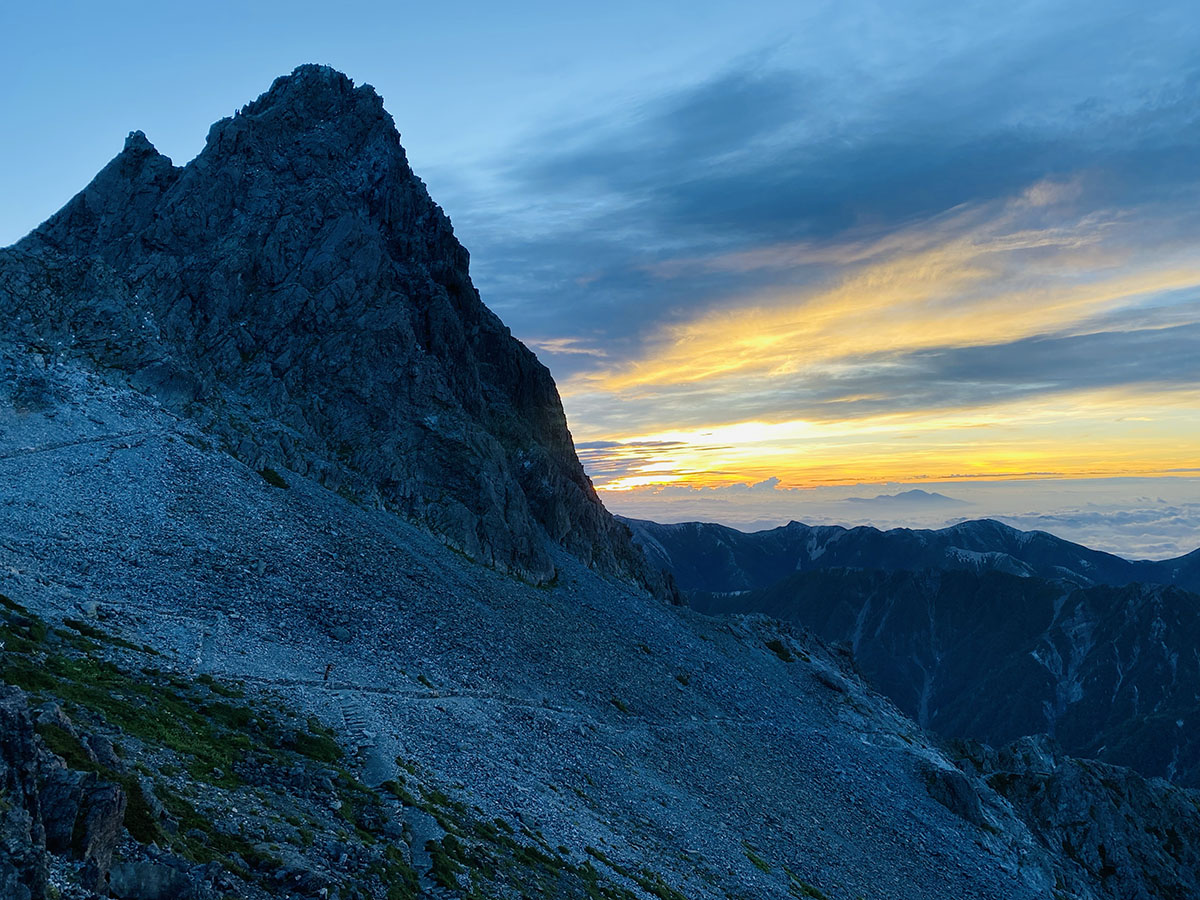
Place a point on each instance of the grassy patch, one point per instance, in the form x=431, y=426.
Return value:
x=221, y=689
x=751, y=854
x=273, y=478
x=398, y=877
x=97, y=634
x=801, y=889
x=10, y=604
x=777, y=647
x=317, y=743
x=20, y=631
x=447, y=866
x=64, y=744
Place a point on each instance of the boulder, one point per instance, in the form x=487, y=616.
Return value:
x=951, y=788
x=148, y=881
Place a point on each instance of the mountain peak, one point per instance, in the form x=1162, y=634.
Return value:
x=312, y=101
x=138, y=143
x=315, y=92
x=914, y=496
x=297, y=270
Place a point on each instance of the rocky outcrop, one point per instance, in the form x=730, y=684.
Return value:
x=1116, y=833
x=47, y=807
x=23, y=858
x=83, y=816
x=295, y=288
x=149, y=881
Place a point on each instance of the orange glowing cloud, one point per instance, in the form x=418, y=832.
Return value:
x=955, y=285
x=809, y=383
x=1089, y=434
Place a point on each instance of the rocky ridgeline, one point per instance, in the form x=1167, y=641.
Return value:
x=707, y=557
x=296, y=290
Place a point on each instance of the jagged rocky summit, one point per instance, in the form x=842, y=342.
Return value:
x=295, y=288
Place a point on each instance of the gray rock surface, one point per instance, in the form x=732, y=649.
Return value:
x=560, y=708
x=148, y=881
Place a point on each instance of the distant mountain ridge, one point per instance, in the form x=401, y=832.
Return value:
x=704, y=556
x=978, y=630
x=915, y=497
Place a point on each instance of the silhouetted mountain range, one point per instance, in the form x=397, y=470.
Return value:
x=708, y=557
x=916, y=498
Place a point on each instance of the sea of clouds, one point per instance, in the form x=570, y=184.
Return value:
x=1137, y=518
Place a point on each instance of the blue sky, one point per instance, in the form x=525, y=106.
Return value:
x=821, y=243
x=467, y=83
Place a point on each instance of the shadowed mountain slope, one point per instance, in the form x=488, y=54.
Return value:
x=1110, y=672
x=977, y=630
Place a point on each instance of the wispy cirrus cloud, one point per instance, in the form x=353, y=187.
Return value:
x=974, y=278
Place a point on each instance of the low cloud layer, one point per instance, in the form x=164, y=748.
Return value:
x=1135, y=518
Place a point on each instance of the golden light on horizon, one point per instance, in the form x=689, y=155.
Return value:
x=1087, y=435
x=951, y=309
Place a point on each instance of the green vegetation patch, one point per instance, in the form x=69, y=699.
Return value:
x=97, y=634
x=273, y=478
x=776, y=646
x=10, y=604
x=801, y=889
x=317, y=743
x=752, y=855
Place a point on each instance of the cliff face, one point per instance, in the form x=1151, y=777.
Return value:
x=1117, y=834
x=23, y=869
x=295, y=288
